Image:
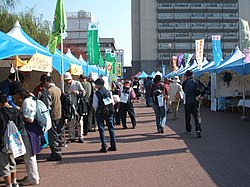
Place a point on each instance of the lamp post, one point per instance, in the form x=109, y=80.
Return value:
x=170, y=46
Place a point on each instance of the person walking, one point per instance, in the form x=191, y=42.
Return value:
x=192, y=103
x=56, y=116
x=127, y=95
x=175, y=95
x=103, y=105
x=158, y=95
x=74, y=88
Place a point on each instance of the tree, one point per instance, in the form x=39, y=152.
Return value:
x=33, y=26
x=8, y=4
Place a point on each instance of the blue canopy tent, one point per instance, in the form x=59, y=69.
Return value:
x=236, y=55
x=238, y=66
x=143, y=75
x=193, y=66
x=11, y=47
x=204, y=63
x=152, y=74
x=77, y=61
x=18, y=33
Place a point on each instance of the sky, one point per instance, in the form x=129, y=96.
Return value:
x=114, y=17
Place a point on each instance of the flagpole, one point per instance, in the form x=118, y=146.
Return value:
x=243, y=117
x=62, y=65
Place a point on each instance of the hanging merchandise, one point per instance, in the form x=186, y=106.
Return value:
x=227, y=77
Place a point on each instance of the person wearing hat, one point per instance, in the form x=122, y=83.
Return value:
x=103, y=105
x=175, y=91
x=127, y=95
x=87, y=125
x=74, y=89
x=192, y=103
x=56, y=116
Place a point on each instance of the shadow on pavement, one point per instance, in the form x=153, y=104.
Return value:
x=224, y=149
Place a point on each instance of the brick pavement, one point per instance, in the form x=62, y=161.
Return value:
x=145, y=158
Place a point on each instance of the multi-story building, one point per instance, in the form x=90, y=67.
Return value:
x=161, y=29
x=77, y=34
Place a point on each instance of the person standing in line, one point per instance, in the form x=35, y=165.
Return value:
x=87, y=125
x=136, y=88
x=31, y=141
x=74, y=88
x=7, y=161
x=4, y=85
x=104, y=112
x=175, y=91
x=159, y=95
x=91, y=115
x=38, y=90
x=167, y=83
x=56, y=116
x=192, y=103
x=148, y=86
x=127, y=95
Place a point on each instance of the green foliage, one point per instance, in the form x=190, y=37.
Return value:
x=34, y=26
x=8, y=4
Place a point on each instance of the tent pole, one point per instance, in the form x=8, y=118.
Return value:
x=243, y=117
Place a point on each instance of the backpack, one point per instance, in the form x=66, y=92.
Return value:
x=158, y=94
x=43, y=115
x=67, y=106
x=200, y=88
x=82, y=106
x=106, y=106
x=125, y=95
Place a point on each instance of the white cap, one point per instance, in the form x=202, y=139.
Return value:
x=67, y=76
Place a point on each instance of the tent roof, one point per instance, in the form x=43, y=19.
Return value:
x=238, y=66
x=236, y=55
x=18, y=33
x=143, y=75
x=10, y=47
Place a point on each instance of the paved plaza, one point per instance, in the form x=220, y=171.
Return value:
x=145, y=158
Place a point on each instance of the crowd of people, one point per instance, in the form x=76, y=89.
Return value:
x=85, y=106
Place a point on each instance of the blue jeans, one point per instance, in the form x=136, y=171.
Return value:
x=160, y=115
x=100, y=118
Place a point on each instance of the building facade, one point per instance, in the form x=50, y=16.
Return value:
x=162, y=29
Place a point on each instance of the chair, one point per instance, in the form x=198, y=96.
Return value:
x=230, y=103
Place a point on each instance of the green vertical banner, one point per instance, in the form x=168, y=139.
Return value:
x=93, y=46
x=113, y=63
x=101, y=61
x=59, y=26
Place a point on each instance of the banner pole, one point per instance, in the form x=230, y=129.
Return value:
x=62, y=63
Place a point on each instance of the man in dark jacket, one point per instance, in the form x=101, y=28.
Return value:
x=192, y=103
x=103, y=103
